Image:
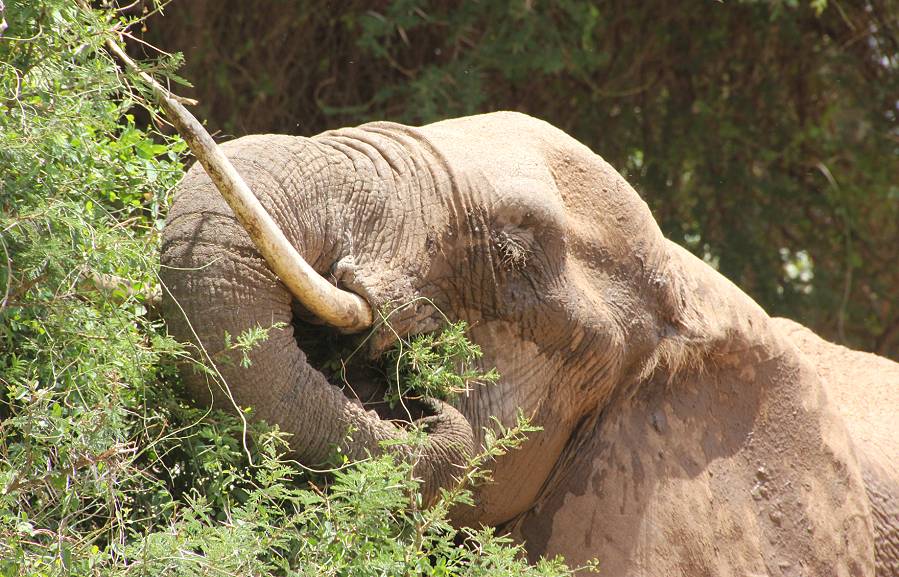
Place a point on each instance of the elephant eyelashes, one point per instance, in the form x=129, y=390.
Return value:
x=513, y=253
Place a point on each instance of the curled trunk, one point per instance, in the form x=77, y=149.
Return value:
x=216, y=282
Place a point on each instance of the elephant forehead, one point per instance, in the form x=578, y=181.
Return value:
x=494, y=160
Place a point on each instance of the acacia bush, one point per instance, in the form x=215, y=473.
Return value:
x=105, y=468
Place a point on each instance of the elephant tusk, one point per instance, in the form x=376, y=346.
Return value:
x=342, y=309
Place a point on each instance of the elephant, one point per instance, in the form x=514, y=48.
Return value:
x=684, y=431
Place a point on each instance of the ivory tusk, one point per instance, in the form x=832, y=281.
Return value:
x=344, y=310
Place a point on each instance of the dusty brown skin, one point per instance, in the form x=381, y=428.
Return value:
x=685, y=431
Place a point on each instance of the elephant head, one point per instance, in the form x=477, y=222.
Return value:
x=429, y=222
x=597, y=324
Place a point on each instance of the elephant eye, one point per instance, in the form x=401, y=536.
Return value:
x=527, y=225
x=513, y=251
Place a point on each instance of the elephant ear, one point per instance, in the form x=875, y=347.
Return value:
x=737, y=468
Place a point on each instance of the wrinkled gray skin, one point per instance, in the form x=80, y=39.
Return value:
x=684, y=433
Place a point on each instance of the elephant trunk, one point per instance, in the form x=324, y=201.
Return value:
x=217, y=286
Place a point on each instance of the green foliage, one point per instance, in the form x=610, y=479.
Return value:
x=440, y=365
x=81, y=198
x=245, y=342
x=751, y=127
x=368, y=521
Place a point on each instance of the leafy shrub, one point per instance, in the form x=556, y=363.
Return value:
x=438, y=365
x=104, y=468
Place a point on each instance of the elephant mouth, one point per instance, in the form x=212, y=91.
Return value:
x=349, y=364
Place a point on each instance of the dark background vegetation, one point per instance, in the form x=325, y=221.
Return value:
x=763, y=135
